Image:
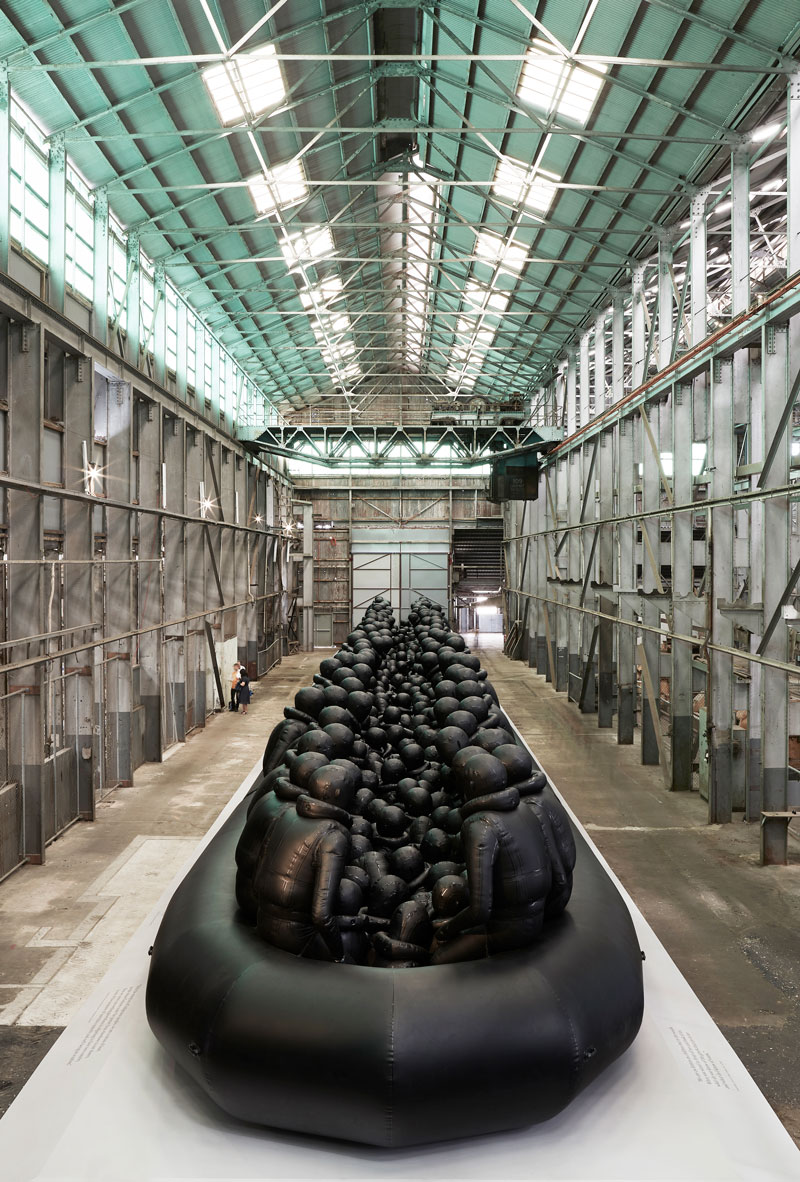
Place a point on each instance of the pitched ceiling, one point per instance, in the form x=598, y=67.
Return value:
x=371, y=198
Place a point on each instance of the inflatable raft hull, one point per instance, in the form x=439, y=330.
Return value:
x=392, y=1057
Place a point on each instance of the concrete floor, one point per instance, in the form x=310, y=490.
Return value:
x=729, y=924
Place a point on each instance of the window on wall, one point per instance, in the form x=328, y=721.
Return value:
x=172, y=328
x=147, y=302
x=241, y=396
x=117, y=268
x=80, y=236
x=191, y=348
x=30, y=227
x=221, y=389
x=29, y=186
x=206, y=364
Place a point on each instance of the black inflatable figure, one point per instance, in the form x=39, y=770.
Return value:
x=259, y=822
x=299, y=873
x=375, y=945
x=407, y=943
x=508, y=869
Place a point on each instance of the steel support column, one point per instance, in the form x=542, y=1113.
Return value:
x=638, y=326
x=587, y=510
x=627, y=479
x=308, y=577
x=584, y=381
x=118, y=587
x=666, y=301
x=100, y=254
x=79, y=605
x=203, y=586
x=25, y=551
x=682, y=565
x=574, y=621
x=562, y=591
x=5, y=168
x=541, y=508
x=617, y=347
x=176, y=537
x=720, y=590
x=600, y=398
x=544, y=567
x=149, y=574
x=605, y=577
x=755, y=421
x=57, y=226
x=572, y=392
x=651, y=577
x=781, y=359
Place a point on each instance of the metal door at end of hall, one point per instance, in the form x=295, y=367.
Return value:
x=423, y=574
x=401, y=565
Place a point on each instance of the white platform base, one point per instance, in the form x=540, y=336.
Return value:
x=108, y=1105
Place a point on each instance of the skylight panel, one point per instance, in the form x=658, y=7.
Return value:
x=549, y=83
x=283, y=186
x=481, y=299
x=518, y=185
x=422, y=207
x=324, y=293
x=495, y=251
x=315, y=242
x=245, y=86
x=338, y=355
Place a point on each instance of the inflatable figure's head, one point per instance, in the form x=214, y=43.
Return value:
x=449, y=895
x=406, y=862
x=391, y=821
x=515, y=759
x=386, y=894
x=305, y=765
x=435, y=845
x=315, y=740
x=351, y=897
x=333, y=784
x=480, y=775
x=310, y=700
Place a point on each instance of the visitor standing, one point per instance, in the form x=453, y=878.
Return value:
x=244, y=689
x=234, y=702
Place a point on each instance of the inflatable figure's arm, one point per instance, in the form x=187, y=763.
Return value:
x=373, y=923
x=481, y=848
x=562, y=832
x=392, y=949
x=331, y=859
x=283, y=735
x=351, y=923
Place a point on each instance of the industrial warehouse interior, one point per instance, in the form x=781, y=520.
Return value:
x=488, y=303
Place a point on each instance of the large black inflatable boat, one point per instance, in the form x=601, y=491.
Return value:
x=391, y=1056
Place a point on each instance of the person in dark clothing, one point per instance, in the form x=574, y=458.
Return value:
x=234, y=702
x=243, y=692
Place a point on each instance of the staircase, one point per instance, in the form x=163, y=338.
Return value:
x=478, y=557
